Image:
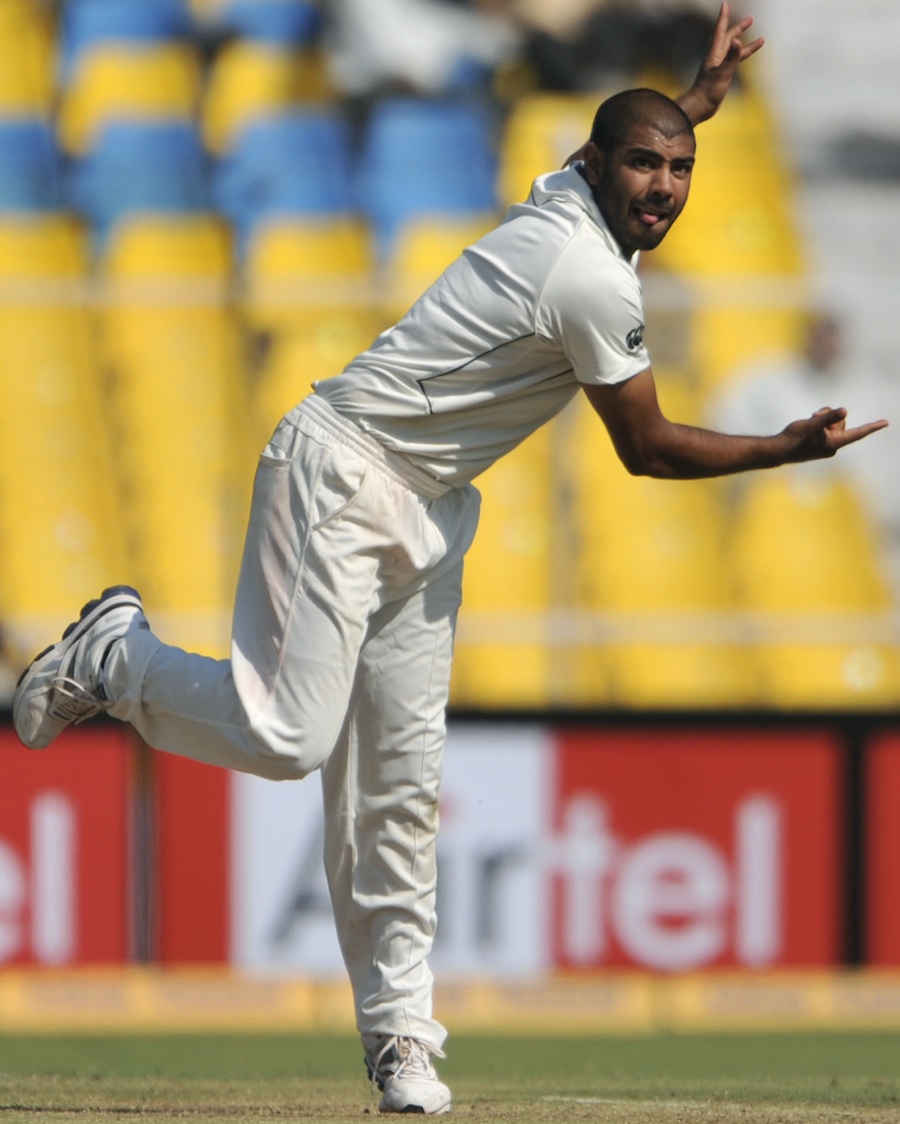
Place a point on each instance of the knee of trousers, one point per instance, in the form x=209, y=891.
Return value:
x=288, y=755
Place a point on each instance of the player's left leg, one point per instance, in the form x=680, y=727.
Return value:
x=381, y=789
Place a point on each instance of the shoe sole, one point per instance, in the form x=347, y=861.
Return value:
x=115, y=597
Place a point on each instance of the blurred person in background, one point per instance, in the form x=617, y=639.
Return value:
x=580, y=46
x=825, y=368
x=423, y=48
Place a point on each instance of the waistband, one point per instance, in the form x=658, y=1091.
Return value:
x=346, y=430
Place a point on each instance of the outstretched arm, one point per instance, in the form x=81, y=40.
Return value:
x=726, y=52
x=648, y=444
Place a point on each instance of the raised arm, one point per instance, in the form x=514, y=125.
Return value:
x=726, y=52
x=648, y=444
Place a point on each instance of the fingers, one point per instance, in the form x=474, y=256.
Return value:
x=858, y=432
x=751, y=48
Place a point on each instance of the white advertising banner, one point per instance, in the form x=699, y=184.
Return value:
x=493, y=899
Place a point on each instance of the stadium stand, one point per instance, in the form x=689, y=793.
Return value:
x=86, y=24
x=253, y=79
x=737, y=244
x=58, y=519
x=233, y=231
x=123, y=80
x=27, y=73
x=277, y=21
x=422, y=156
x=171, y=352
x=503, y=651
x=308, y=304
x=648, y=566
x=138, y=165
x=30, y=166
x=807, y=572
x=540, y=133
x=293, y=163
x=422, y=248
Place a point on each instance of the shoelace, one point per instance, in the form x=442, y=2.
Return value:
x=76, y=704
x=413, y=1060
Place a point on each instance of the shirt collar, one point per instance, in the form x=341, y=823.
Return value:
x=570, y=184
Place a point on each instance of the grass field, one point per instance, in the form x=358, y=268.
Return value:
x=741, y=1079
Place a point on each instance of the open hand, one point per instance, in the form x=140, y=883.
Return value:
x=726, y=52
x=820, y=436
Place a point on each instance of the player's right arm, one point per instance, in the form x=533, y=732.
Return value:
x=649, y=444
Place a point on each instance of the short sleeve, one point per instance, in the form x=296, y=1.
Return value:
x=592, y=306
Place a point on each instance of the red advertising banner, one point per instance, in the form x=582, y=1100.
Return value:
x=64, y=846
x=192, y=829
x=882, y=833
x=686, y=849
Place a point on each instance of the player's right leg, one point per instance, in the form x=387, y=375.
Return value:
x=64, y=683
x=275, y=708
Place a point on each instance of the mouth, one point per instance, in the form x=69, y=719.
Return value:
x=651, y=216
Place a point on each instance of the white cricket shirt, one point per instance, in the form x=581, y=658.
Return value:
x=502, y=340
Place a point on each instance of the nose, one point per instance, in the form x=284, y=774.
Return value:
x=662, y=181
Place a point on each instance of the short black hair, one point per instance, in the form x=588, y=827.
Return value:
x=619, y=114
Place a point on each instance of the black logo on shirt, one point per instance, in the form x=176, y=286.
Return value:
x=635, y=338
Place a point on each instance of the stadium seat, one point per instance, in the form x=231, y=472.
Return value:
x=60, y=519
x=810, y=580
x=85, y=24
x=254, y=79
x=277, y=21
x=646, y=565
x=737, y=243
x=27, y=83
x=114, y=81
x=30, y=169
x=298, y=162
x=423, y=247
x=176, y=398
x=503, y=656
x=307, y=297
x=541, y=132
x=423, y=157
x=137, y=166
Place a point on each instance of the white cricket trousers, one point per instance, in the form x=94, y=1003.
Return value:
x=340, y=661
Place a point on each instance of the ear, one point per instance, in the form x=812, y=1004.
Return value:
x=593, y=163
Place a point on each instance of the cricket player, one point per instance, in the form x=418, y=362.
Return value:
x=362, y=512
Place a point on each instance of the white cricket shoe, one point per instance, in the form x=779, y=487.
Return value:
x=63, y=683
x=402, y=1070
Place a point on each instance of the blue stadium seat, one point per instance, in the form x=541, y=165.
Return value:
x=29, y=166
x=86, y=22
x=296, y=163
x=424, y=157
x=139, y=166
x=279, y=21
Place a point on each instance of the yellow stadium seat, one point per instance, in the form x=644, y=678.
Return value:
x=502, y=654
x=737, y=243
x=59, y=504
x=177, y=399
x=309, y=297
x=250, y=80
x=26, y=60
x=422, y=249
x=138, y=82
x=809, y=577
x=647, y=564
x=541, y=132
